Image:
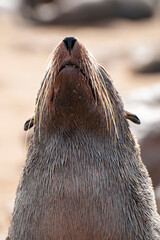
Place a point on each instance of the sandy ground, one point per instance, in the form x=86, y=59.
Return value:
x=24, y=50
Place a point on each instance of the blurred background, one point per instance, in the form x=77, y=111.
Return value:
x=123, y=36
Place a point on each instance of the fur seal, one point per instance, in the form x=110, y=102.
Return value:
x=83, y=177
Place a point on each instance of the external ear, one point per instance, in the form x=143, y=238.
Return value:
x=132, y=117
x=29, y=124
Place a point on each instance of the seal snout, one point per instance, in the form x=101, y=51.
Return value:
x=69, y=43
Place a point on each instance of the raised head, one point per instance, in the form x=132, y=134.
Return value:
x=76, y=90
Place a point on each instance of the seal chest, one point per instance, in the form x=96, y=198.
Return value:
x=83, y=177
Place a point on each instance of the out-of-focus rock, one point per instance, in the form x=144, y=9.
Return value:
x=146, y=59
x=9, y=5
x=133, y=9
x=145, y=103
x=42, y=11
x=83, y=12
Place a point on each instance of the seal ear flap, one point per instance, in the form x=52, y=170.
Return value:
x=29, y=124
x=132, y=117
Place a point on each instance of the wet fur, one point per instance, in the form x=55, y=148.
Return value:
x=83, y=178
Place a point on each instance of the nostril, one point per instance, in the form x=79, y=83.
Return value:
x=69, y=42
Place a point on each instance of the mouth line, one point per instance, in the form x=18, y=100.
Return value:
x=72, y=66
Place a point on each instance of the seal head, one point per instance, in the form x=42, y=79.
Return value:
x=77, y=87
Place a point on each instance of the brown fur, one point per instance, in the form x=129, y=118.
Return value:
x=83, y=178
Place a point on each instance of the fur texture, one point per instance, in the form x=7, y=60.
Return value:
x=83, y=178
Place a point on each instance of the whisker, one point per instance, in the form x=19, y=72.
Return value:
x=42, y=95
x=98, y=83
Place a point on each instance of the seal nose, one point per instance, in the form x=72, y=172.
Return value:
x=69, y=42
